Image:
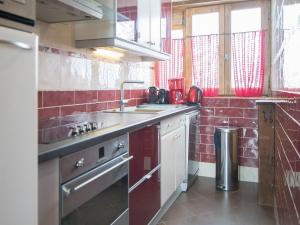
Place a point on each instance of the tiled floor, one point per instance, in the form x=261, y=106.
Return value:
x=203, y=205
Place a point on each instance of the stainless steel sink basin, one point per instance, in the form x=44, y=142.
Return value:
x=134, y=110
x=144, y=109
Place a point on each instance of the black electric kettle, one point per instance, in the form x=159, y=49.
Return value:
x=152, y=95
x=163, y=96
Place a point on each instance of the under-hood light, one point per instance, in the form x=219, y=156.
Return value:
x=108, y=53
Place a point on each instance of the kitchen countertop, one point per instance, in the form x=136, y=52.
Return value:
x=125, y=122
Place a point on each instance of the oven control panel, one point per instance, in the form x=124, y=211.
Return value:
x=83, y=128
x=79, y=162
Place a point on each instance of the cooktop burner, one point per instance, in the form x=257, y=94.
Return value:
x=61, y=128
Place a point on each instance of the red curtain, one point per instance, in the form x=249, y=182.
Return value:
x=248, y=63
x=172, y=68
x=205, y=63
x=167, y=29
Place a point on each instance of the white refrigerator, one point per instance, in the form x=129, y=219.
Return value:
x=18, y=128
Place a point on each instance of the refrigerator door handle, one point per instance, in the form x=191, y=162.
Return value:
x=18, y=44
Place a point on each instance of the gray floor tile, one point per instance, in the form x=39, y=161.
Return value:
x=203, y=205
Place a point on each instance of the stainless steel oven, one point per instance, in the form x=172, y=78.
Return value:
x=98, y=196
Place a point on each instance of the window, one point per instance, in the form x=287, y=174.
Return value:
x=175, y=67
x=244, y=20
x=205, y=52
x=228, y=52
x=177, y=34
x=200, y=26
x=291, y=29
x=246, y=28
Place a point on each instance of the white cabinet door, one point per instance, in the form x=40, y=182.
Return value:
x=167, y=167
x=143, y=22
x=155, y=17
x=179, y=144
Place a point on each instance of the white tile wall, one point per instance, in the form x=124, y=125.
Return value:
x=63, y=72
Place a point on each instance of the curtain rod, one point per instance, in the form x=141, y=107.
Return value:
x=191, y=36
x=197, y=3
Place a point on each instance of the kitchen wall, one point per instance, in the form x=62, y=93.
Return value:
x=229, y=111
x=73, y=81
x=286, y=83
x=225, y=111
x=76, y=80
x=287, y=162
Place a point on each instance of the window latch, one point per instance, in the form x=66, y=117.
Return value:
x=227, y=57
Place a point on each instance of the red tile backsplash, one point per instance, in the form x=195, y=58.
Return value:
x=96, y=107
x=250, y=113
x=86, y=97
x=210, y=158
x=57, y=98
x=287, y=160
x=45, y=113
x=242, y=103
x=243, y=122
x=73, y=109
x=106, y=95
x=62, y=103
x=215, y=102
x=214, y=112
x=230, y=111
x=40, y=99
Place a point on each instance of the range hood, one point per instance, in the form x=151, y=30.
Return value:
x=95, y=26
x=103, y=34
x=132, y=48
x=57, y=11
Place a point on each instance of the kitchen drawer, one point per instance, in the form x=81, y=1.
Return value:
x=143, y=146
x=171, y=124
x=144, y=200
x=76, y=163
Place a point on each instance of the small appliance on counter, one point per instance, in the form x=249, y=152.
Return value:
x=152, y=95
x=194, y=96
x=176, y=87
x=163, y=96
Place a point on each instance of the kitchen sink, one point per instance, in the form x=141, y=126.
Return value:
x=144, y=109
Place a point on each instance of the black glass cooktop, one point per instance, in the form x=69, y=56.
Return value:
x=61, y=128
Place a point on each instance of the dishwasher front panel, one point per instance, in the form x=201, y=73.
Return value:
x=192, y=148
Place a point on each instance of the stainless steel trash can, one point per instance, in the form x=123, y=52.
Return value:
x=226, y=145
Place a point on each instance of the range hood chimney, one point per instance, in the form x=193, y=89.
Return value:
x=57, y=11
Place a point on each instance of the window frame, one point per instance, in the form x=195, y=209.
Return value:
x=189, y=14
x=225, y=41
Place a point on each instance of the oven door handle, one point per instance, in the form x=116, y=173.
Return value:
x=125, y=160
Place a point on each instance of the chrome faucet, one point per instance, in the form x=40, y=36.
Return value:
x=123, y=101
